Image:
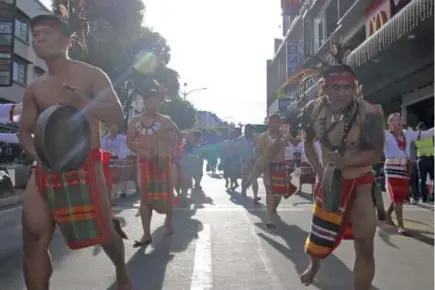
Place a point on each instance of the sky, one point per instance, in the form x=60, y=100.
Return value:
x=222, y=46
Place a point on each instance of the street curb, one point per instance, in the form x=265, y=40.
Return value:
x=9, y=201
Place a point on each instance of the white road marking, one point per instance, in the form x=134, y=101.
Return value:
x=223, y=208
x=5, y=211
x=202, y=276
x=276, y=283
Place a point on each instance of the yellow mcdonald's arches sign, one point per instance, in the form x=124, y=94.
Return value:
x=376, y=22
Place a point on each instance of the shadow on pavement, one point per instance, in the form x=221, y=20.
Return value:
x=333, y=274
x=147, y=268
x=196, y=199
x=259, y=210
x=125, y=203
x=121, y=205
x=385, y=233
x=11, y=273
x=304, y=195
x=426, y=206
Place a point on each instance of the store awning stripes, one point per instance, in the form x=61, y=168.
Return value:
x=400, y=25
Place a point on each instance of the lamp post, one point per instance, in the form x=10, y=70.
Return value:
x=185, y=93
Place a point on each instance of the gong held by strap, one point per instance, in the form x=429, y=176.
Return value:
x=62, y=138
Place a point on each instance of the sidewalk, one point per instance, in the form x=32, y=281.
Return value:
x=12, y=200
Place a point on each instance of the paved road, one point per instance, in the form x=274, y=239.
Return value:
x=220, y=243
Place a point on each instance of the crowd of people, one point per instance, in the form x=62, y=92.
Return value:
x=340, y=133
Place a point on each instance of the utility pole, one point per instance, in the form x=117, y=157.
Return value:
x=185, y=92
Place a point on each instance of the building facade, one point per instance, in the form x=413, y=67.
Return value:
x=390, y=44
x=18, y=63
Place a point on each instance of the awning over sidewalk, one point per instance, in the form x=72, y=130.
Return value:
x=400, y=25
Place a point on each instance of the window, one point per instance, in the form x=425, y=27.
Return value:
x=19, y=74
x=5, y=40
x=37, y=72
x=5, y=27
x=5, y=77
x=22, y=27
x=319, y=35
x=5, y=69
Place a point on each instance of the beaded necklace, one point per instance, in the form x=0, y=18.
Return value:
x=349, y=117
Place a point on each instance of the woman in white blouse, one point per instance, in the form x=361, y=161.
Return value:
x=397, y=165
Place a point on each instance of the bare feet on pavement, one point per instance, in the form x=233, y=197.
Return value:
x=308, y=276
x=123, y=281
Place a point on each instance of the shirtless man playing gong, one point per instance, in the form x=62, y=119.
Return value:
x=351, y=135
x=76, y=84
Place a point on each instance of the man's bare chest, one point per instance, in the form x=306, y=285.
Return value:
x=48, y=91
x=336, y=132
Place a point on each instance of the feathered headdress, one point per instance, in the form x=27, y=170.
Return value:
x=72, y=13
x=315, y=65
x=314, y=68
x=154, y=89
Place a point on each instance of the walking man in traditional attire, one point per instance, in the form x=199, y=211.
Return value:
x=85, y=220
x=351, y=135
x=153, y=138
x=270, y=160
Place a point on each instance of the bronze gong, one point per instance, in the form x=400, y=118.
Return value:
x=331, y=189
x=62, y=138
x=378, y=201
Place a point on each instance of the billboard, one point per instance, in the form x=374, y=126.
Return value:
x=292, y=54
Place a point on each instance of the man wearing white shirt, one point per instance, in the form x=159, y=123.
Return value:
x=9, y=111
x=112, y=143
x=127, y=163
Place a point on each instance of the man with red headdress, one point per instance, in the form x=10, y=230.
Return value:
x=351, y=135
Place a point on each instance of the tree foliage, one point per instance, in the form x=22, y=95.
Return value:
x=182, y=112
x=110, y=36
